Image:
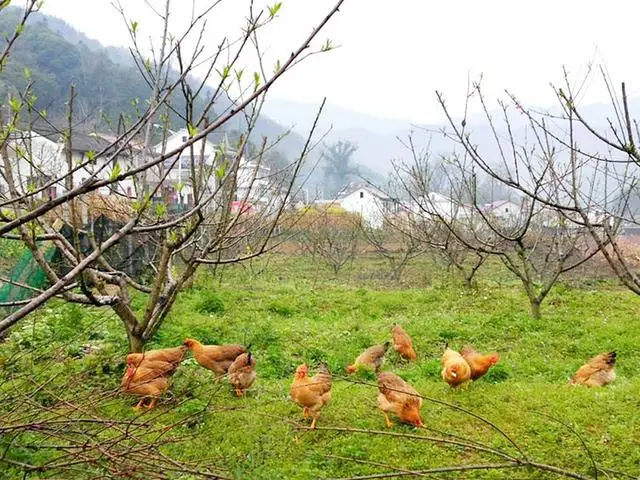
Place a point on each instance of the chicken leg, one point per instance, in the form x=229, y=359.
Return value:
x=387, y=421
x=140, y=404
x=313, y=422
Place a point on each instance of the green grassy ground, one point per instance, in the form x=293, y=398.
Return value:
x=295, y=311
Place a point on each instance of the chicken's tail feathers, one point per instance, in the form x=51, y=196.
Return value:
x=612, y=357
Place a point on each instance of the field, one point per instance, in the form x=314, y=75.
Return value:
x=292, y=310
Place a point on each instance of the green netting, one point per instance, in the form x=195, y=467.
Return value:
x=27, y=272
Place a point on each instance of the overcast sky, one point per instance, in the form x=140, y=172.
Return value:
x=394, y=55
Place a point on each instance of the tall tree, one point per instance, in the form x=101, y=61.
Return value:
x=339, y=166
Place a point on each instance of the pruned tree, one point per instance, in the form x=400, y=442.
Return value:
x=329, y=235
x=429, y=231
x=534, y=243
x=194, y=196
x=394, y=242
x=586, y=173
x=454, y=253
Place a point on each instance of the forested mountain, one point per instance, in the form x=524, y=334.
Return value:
x=106, y=80
x=103, y=87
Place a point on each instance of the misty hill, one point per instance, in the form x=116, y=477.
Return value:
x=378, y=138
x=106, y=79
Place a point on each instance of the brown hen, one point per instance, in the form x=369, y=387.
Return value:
x=242, y=373
x=597, y=372
x=217, y=358
x=402, y=343
x=311, y=393
x=479, y=363
x=372, y=357
x=397, y=396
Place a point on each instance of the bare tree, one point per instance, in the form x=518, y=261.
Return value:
x=533, y=242
x=455, y=253
x=194, y=196
x=330, y=235
x=586, y=172
x=394, y=242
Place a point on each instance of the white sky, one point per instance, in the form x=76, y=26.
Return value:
x=394, y=55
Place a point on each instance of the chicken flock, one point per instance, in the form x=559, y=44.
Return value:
x=148, y=374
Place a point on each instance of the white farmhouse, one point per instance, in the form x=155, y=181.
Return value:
x=203, y=153
x=34, y=159
x=37, y=158
x=85, y=145
x=252, y=180
x=504, y=210
x=436, y=205
x=371, y=204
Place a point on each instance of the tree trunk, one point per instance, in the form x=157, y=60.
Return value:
x=468, y=281
x=136, y=342
x=535, y=308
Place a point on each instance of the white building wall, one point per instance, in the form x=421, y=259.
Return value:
x=368, y=205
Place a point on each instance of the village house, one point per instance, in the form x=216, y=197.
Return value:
x=503, y=210
x=371, y=204
x=34, y=159
x=37, y=158
x=252, y=180
x=436, y=205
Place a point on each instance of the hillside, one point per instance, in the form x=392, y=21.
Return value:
x=105, y=79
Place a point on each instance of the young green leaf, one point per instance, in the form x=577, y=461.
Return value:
x=193, y=131
x=221, y=171
x=274, y=9
x=256, y=81
x=27, y=73
x=115, y=172
x=239, y=74
x=15, y=104
x=277, y=67
x=225, y=72
x=161, y=209
x=327, y=45
x=221, y=149
x=134, y=27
